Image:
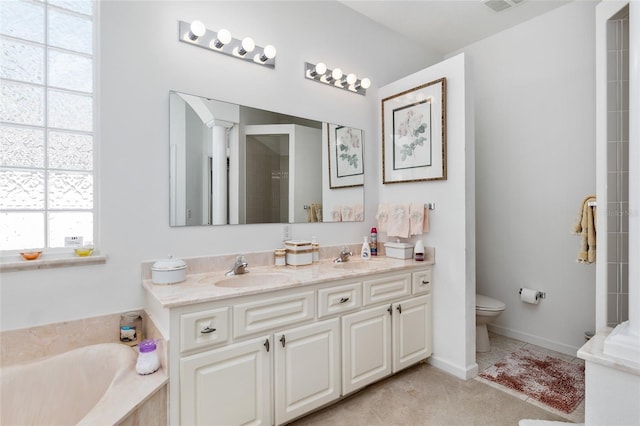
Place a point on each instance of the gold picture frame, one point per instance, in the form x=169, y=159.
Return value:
x=414, y=134
x=346, y=156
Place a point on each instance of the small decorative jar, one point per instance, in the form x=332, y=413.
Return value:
x=280, y=257
x=148, y=361
x=315, y=252
x=131, y=328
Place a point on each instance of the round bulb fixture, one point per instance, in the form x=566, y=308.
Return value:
x=247, y=45
x=336, y=74
x=197, y=29
x=269, y=51
x=321, y=68
x=224, y=36
x=365, y=83
x=351, y=79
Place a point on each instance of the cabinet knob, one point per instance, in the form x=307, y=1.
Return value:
x=390, y=310
x=344, y=299
x=266, y=344
x=425, y=282
x=399, y=309
x=207, y=330
x=283, y=340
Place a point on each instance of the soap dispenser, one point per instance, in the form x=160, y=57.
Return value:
x=418, y=251
x=365, y=253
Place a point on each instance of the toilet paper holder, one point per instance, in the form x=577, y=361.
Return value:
x=539, y=294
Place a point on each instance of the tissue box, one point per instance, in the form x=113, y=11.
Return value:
x=399, y=250
x=298, y=252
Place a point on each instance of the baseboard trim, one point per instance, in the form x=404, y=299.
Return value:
x=536, y=340
x=461, y=373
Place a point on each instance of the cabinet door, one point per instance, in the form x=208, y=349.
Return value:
x=366, y=347
x=227, y=386
x=307, y=368
x=411, y=331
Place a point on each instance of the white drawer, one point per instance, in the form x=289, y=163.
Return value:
x=259, y=316
x=422, y=282
x=204, y=328
x=339, y=299
x=387, y=288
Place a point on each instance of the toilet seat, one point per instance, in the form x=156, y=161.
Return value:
x=485, y=303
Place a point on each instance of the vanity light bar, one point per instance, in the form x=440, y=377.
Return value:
x=197, y=34
x=336, y=78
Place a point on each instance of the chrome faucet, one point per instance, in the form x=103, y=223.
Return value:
x=239, y=267
x=345, y=254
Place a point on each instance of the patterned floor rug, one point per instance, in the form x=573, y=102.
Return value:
x=549, y=380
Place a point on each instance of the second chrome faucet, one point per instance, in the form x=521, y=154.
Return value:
x=239, y=267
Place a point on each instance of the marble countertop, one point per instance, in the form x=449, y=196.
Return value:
x=201, y=287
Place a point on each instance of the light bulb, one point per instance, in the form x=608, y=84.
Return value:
x=224, y=36
x=365, y=83
x=197, y=29
x=336, y=74
x=319, y=69
x=351, y=78
x=269, y=52
x=247, y=46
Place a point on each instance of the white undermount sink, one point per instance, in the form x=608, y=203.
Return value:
x=253, y=280
x=355, y=264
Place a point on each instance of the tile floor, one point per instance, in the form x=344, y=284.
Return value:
x=502, y=346
x=424, y=395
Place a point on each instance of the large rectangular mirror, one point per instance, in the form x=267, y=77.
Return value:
x=234, y=164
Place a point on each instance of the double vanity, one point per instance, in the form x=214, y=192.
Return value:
x=275, y=343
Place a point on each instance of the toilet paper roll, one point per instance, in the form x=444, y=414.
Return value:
x=528, y=295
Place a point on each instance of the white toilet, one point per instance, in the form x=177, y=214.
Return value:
x=486, y=310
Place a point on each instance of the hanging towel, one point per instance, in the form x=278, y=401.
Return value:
x=416, y=218
x=398, y=225
x=358, y=213
x=585, y=227
x=317, y=211
x=383, y=217
x=347, y=213
x=425, y=223
x=336, y=214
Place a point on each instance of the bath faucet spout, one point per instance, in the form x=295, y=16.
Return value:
x=239, y=267
x=345, y=254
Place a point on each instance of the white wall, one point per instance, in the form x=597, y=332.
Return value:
x=141, y=60
x=452, y=223
x=535, y=161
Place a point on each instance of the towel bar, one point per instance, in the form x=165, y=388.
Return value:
x=592, y=203
x=430, y=206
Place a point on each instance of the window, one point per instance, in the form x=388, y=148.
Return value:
x=46, y=123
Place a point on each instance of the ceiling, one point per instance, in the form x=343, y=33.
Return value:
x=448, y=25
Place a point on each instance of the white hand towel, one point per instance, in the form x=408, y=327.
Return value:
x=398, y=225
x=416, y=218
x=358, y=212
x=336, y=214
x=383, y=217
x=347, y=213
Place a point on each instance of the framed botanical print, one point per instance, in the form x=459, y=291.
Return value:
x=346, y=156
x=414, y=133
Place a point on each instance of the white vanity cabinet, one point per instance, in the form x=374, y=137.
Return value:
x=227, y=386
x=390, y=336
x=270, y=357
x=307, y=368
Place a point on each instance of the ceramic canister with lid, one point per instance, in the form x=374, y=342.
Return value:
x=168, y=271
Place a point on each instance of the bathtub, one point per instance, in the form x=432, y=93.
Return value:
x=91, y=385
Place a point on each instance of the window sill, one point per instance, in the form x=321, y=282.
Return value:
x=10, y=265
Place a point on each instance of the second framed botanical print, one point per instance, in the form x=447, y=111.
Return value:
x=346, y=156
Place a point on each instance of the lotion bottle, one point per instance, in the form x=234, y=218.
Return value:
x=365, y=253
